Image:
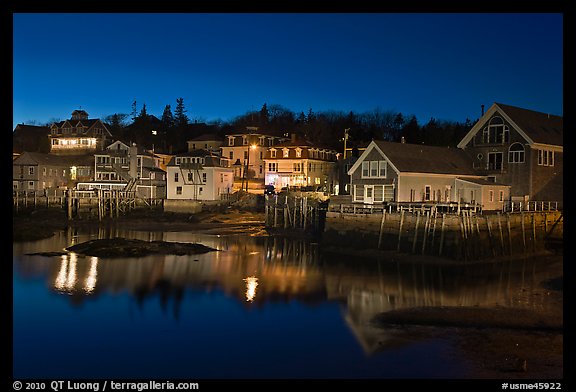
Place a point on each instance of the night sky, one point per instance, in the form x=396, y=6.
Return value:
x=441, y=65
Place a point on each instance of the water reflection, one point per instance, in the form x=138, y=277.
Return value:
x=251, y=284
x=261, y=270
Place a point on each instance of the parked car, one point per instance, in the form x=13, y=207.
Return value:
x=269, y=190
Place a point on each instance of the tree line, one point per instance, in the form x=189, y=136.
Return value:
x=174, y=128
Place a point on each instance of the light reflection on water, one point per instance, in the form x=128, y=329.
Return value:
x=269, y=274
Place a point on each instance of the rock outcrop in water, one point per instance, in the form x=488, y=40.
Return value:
x=122, y=247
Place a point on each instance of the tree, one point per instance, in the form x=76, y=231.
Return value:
x=180, y=117
x=143, y=116
x=117, y=122
x=134, y=113
x=167, y=118
x=411, y=131
x=264, y=116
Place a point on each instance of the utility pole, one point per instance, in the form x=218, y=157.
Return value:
x=345, y=139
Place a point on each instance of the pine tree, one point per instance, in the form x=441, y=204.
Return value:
x=167, y=118
x=180, y=117
x=143, y=116
x=134, y=113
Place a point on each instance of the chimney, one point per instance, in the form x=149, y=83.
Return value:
x=482, y=106
x=293, y=135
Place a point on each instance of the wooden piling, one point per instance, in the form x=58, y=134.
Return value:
x=509, y=233
x=426, y=227
x=415, y=238
x=523, y=230
x=400, y=229
x=490, y=236
x=501, y=234
x=442, y=234
x=381, y=227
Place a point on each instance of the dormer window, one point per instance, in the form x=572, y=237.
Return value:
x=285, y=152
x=230, y=140
x=245, y=140
x=273, y=153
x=298, y=153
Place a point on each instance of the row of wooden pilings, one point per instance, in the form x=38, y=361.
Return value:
x=103, y=203
x=295, y=212
x=464, y=236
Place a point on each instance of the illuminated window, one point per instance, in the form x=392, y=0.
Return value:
x=285, y=153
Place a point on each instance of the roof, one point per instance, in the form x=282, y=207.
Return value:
x=535, y=127
x=420, y=158
x=540, y=127
x=206, y=137
x=58, y=160
x=30, y=138
x=481, y=181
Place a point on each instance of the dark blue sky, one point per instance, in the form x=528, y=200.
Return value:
x=223, y=65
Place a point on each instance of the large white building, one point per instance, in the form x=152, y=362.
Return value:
x=246, y=152
x=198, y=175
x=298, y=163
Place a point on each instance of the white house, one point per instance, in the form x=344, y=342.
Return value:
x=402, y=172
x=198, y=175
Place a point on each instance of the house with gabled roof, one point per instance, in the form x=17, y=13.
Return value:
x=299, y=163
x=519, y=147
x=78, y=135
x=36, y=171
x=198, y=175
x=125, y=167
x=417, y=173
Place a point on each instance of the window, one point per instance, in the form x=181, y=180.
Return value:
x=43, y=171
x=178, y=190
x=262, y=138
x=200, y=190
x=500, y=195
x=365, y=169
x=491, y=195
x=297, y=167
x=245, y=154
x=427, y=192
x=273, y=153
x=298, y=153
x=516, y=153
x=31, y=170
x=244, y=140
x=230, y=140
x=373, y=168
x=30, y=184
x=204, y=178
x=175, y=177
x=190, y=176
x=231, y=155
x=285, y=153
x=494, y=161
x=545, y=158
x=272, y=167
x=382, y=166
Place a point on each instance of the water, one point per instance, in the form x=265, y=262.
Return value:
x=258, y=308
